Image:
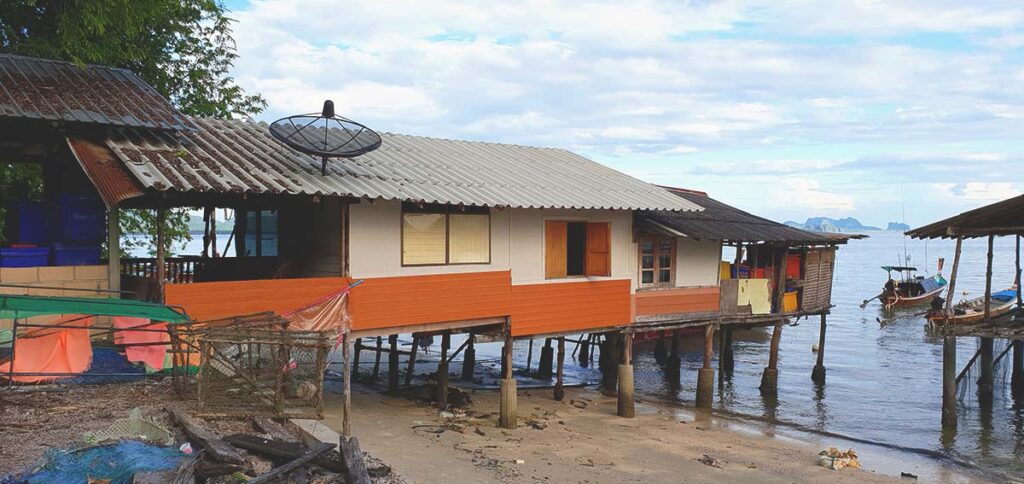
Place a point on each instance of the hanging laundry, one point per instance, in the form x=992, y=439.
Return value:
x=151, y=354
x=52, y=350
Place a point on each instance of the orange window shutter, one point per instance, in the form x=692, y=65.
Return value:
x=555, y=242
x=599, y=253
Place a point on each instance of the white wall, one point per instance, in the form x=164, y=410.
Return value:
x=517, y=242
x=697, y=262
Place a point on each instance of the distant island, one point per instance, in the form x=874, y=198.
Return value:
x=843, y=225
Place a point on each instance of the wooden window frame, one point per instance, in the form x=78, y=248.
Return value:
x=445, y=210
x=586, y=250
x=657, y=267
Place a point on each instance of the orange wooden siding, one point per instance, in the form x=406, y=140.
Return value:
x=569, y=306
x=387, y=302
x=204, y=301
x=678, y=300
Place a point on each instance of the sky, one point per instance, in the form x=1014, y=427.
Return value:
x=884, y=111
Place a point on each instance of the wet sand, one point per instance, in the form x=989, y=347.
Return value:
x=581, y=440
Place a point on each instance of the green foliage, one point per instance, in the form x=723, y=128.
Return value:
x=183, y=48
x=144, y=222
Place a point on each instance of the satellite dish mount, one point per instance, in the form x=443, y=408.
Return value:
x=326, y=135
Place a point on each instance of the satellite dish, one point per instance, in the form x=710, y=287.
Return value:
x=325, y=135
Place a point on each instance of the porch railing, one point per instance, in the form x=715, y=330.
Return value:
x=177, y=269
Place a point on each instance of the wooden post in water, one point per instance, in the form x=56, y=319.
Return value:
x=985, y=381
x=726, y=361
x=507, y=410
x=672, y=364
x=1017, y=279
x=1017, y=372
x=410, y=370
x=376, y=359
x=442, y=371
x=818, y=373
x=584, y=355
x=949, y=368
x=770, y=377
x=706, y=374
x=626, y=404
x=469, y=359
x=355, y=358
x=393, y=364
x=560, y=366
x=547, y=358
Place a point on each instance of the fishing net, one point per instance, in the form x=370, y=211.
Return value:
x=118, y=462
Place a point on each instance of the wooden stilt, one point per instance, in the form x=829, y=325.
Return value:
x=346, y=416
x=1020, y=302
x=949, y=369
x=393, y=363
x=559, y=390
x=660, y=351
x=673, y=362
x=608, y=362
x=529, y=356
x=1017, y=372
x=706, y=374
x=728, y=358
x=584, y=357
x=547, y=359
x=770, y=377
x=507, y=410
x=114, y=249
x=376, y=359
x=355, y=358
x=818, y=373
x=469, y=358
x=988, y=278
x=410, y=370
x=442, y=371
x=626, y=404
x=987, y=377
x=161, y=263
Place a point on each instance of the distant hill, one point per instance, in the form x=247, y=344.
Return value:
x=827, y=224
x=898, y=226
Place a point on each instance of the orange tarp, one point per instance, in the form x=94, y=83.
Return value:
x=46, y=350
x=150, y=354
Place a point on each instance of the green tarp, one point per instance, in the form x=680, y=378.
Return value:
x=26, y=306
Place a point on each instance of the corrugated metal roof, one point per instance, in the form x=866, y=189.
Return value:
x=1000, y=218
x=241, y=156
x=45, y=89
x=106, y=171
x=719, y=221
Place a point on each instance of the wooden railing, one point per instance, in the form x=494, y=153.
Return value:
x=177, y=269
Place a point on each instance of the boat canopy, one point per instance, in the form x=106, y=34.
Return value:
x=899, y=268
x=13, y=306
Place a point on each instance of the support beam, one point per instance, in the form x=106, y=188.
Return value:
x=584, y=357
x=818, y=373
x=987, y=378
x=608, y=362
x=355, y=358
x=547, y=359
x=376, y=359
x=410, y=370
x=660, y=351
x=442, y=371
x=507, y=410
x=988, y=279
x=673, y=362
x=393, y=364
x=346, y=392
x=626, y=404
x=161, y=263
x=949, y=369
x=770, y=377
x=114, y=249
x=727, y=360
x=469, y=358
x=706, y=374
x=1017, y=371
x=559, y=390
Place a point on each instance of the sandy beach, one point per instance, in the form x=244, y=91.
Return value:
x=577, y=440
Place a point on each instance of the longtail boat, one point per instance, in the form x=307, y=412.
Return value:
x=911, y=289
x=973, y=310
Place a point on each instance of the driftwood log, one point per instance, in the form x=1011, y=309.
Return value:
x=281, y=471
x=280, y=451
x=215, y=448
x=275, y=430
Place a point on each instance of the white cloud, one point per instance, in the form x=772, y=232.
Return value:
x=808, y=194
x=975, y=191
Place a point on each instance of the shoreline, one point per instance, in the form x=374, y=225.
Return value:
x=582, y=440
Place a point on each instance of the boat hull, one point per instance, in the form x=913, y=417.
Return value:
x=897, y=301
x=974, y=313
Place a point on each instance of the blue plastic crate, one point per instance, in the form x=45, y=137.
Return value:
x=25, y=257
x=79, y=218
x=26, y=223
x=76, y=254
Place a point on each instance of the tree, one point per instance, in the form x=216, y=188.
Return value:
x=183, y=48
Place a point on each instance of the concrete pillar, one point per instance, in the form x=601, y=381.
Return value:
x=626, y=404
x=507, y=411
x=706, y=375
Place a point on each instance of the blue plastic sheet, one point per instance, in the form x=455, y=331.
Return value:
x=117, y=462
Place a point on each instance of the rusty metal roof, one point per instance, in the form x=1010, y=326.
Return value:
x=241, y=157
x=107, y=173
x=1000, y=218
x=43, y=89
x=719, y=221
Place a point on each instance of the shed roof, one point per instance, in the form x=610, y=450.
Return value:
x=237, y=156
x=719, y=221
x=50, y=90
x=1000, y=218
